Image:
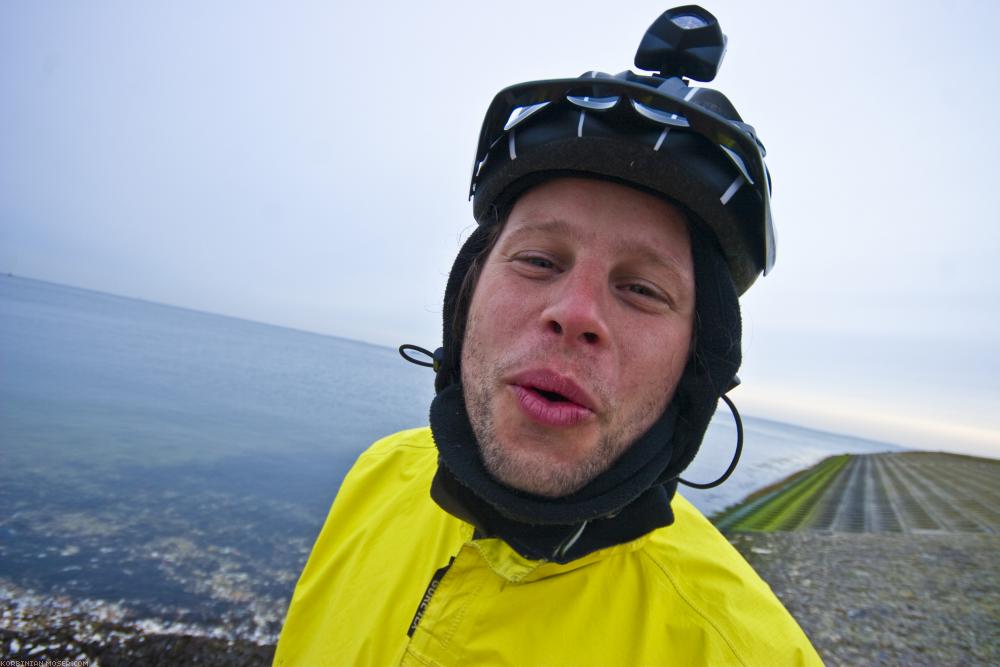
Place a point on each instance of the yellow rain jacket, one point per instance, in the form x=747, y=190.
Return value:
x=378, y=589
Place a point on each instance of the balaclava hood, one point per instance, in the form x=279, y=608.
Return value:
x=630, y=498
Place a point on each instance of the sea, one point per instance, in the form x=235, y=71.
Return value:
x=175, y=466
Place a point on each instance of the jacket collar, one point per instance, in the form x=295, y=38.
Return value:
x=515, y=568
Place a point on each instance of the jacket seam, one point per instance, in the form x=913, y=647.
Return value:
x=473, y=597
x=371, y=457
x=419, y=657
x=693, y=607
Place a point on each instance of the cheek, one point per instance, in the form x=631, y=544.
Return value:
x=653, y=365
x=494, y=318
x=499, y=311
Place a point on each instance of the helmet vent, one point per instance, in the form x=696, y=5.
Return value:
x=732, y=189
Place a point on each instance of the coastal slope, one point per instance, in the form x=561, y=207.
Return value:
x=884, y=559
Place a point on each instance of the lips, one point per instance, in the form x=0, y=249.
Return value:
x=552, y=399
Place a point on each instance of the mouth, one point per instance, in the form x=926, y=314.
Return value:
x=552, y=399
x=551, y=395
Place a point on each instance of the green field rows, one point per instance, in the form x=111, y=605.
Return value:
x=788, y=507
x=887, y=492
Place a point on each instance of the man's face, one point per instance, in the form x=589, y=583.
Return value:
x=578, y=331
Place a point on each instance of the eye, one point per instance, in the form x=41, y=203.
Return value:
x=642, y=290
x=535, y=264
x=647, y=297
x=539, y=262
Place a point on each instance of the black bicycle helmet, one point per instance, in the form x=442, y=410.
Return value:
x=654, y=131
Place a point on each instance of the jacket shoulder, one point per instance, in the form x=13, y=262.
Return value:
x=397, y=466
x=413, y=440
x=698, y=565
x=382, y=542
x=402, y=455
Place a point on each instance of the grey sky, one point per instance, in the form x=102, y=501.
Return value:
x=307, y=164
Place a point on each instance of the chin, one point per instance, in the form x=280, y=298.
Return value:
x=561, y=445
x=545, y=464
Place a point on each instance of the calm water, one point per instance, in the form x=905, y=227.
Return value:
x=179, y=464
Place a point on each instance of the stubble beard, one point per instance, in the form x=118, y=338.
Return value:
x=520, y=469
x=529, y=471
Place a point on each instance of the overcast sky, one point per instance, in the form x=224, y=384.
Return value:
x=307, y=164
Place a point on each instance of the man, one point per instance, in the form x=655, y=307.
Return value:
x=591, y=324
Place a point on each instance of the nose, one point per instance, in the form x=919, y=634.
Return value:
x=577, y=309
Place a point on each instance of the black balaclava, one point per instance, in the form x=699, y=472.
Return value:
x=633, y=496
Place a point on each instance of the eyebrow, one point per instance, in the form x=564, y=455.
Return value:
x=645, y=255
x=551, y=226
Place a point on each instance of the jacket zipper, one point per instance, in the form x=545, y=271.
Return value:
x=428, y=594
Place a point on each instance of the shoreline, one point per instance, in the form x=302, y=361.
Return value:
x=866, y=591
x=52, y=627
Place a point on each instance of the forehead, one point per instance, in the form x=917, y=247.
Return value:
x=602, y=214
